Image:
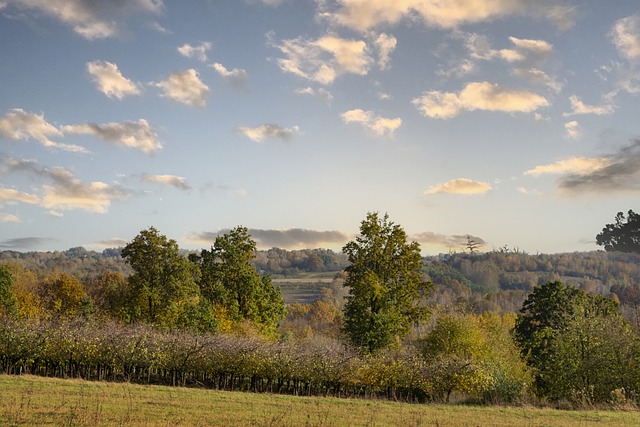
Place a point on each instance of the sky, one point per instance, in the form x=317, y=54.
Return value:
x=509, y=122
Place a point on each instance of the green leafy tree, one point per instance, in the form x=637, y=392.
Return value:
x=164, y=282
x=230, y=280
x=386, y=285
x=7, y=298
x=623, y=235
x=578, y=344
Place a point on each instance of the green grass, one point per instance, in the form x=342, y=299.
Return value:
x=28, y=400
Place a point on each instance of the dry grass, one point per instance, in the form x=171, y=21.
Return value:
x=29, y=400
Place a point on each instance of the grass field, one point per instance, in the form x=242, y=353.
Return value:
x=29, y=400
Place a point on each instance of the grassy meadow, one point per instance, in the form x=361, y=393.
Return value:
x=30, y=400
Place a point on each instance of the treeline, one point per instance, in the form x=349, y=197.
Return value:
x=391, y=324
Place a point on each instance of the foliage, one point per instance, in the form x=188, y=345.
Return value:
x=475, y=355
x=623, y=236
x=229, y=279
x=578, y=344
x=386, y=285
x=7, y=299
x=164, y=282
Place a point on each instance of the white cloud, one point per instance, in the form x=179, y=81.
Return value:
x=579, y=107
x=366, y=14
x=90, y=19
x=477, y=96
x=575, y=165
x=178, y=182
x=538, y=76
x=64, y=191
x=625, y=35
x=199, y=51
x=110, y=81
x=445, y=240
x=10, y=195
x=7, y=217
x=321, y=93
x=377, y=124
x=259, y=133
x=459, y=186
x=139, y=135
x=236, y=76
x=617, y=172
x=572, y=130
x=185, y=87
x=20, y=125
x=324, y=59
x=386, y=44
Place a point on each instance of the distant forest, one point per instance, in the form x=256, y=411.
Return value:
x=493, y=281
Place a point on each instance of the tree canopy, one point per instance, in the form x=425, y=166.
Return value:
x=164, y=281
x=623, y=235
x=229, y=280
x=386, y=284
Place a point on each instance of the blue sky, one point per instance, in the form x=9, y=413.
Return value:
x=510, y=121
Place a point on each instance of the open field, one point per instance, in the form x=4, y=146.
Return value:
x=29, y=400
x=305, y=288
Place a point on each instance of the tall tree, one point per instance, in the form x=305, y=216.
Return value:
x=230, y=280
x=623, y=235
x=386, y=285
x=164, y=281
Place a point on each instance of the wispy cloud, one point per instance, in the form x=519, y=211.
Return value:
x=477, y=96
x=573, y=165
x=262, y=132
x=572, y=130
x=64, y=191
x=579, y=107
x=385, y=45
x=138, y=135
x=459, y=186
x=25, y=242
x=90, y=19
x=293, y=238
x=10, y=195
x=237, y=76
x=185, y=87
x=110, y=81
x=369, y=120
x=321, y=93
x=178, y=182
x=198, y=51
x=21, y=125
x=625, y=35
x=7, y=217
x=611, y=173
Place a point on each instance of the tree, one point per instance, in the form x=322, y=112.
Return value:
x=229, y=279
x=386, y=285
x=7, y=299
x=164, y=281
x=621, y=236
x=579, y=344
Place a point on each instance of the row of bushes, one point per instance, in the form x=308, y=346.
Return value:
x=141, y=354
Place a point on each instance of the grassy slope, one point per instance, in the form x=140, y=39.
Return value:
x=31, y=400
